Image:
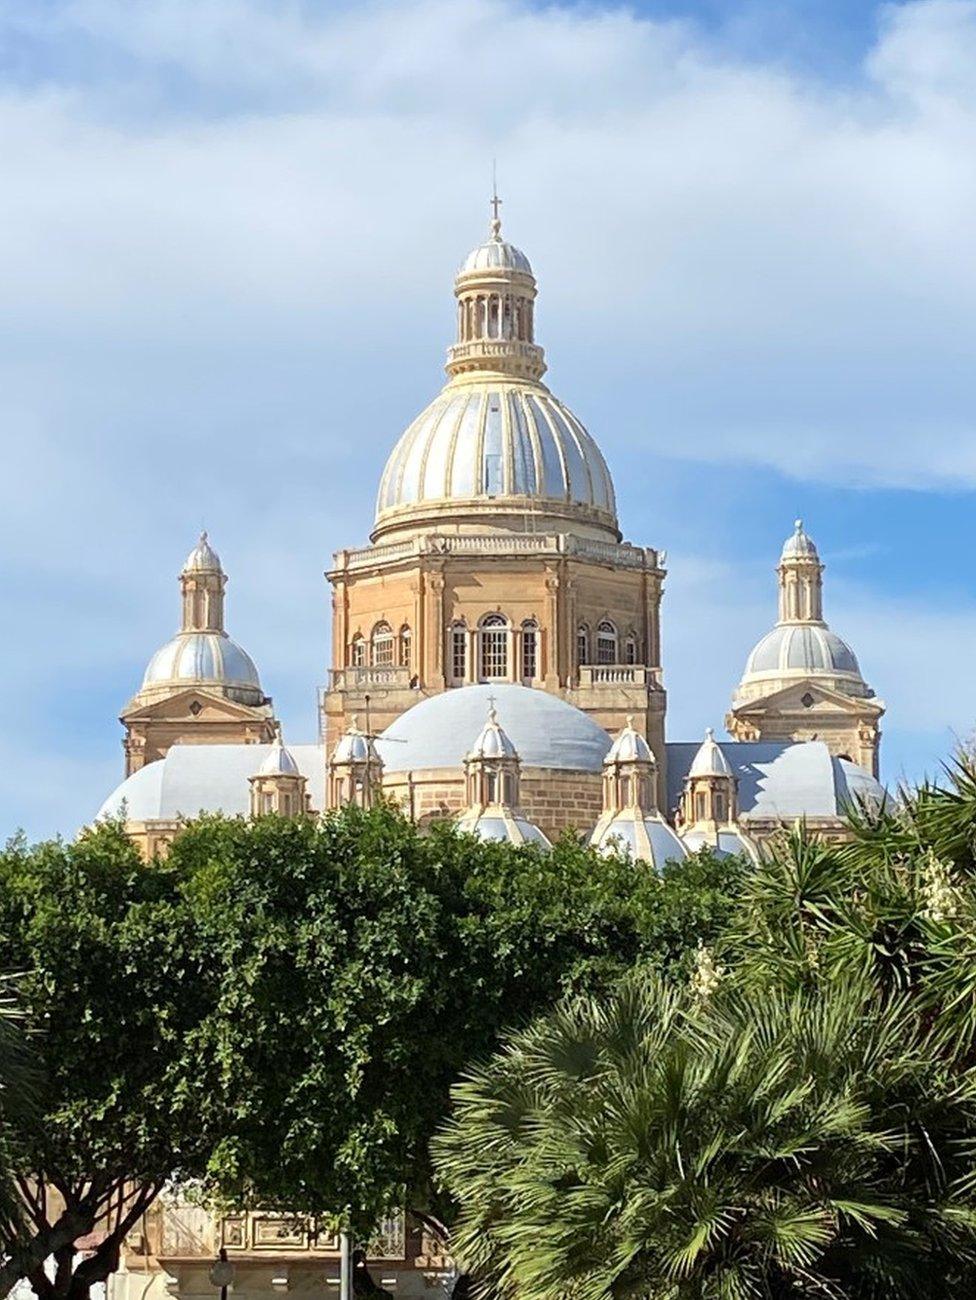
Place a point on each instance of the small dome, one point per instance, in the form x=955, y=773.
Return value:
x=801, y=649
x=727, y=841
x=629, y=747
x=495, y=254
x=501, y=825
x=203, y=558
x=545, y=730
x=355, y=747
x=278, y=761
x=490, y=441
x=799, y=545
x=640, y=837
x=203, y=658
x=710, y=761
x=492, y=742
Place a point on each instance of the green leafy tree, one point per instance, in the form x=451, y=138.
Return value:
x=362, y=965
x=113, y=988
x=805, y=1143
x=277, y=1010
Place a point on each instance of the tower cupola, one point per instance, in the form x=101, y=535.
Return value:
x=355, y=770
x=278, y=785
x=709, y=803
x=631, y=822
x=491, y=774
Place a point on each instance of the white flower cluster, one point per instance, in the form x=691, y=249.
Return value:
x=706, y=976
x=940, y=898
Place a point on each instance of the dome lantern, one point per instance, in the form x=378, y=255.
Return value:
x=496, y=291
x=800, y=579
x=709, y=804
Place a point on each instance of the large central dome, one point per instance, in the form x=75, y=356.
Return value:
x=495, y=449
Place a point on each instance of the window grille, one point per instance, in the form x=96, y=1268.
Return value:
x=359, y=653
x=530, y=651
x=631, y=650
x=494, y=648
x=606, y=643
x=382, y=646
x=459, y=652
x=582, y=645
x=405, y=642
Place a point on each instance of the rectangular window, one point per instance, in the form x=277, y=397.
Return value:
x=459, y=654
x=606, y=649
x=530, y=653
x=494, y=653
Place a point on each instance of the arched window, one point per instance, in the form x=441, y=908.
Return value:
x=606, y=643
x=530, y=650
x=459, y=652
x=382, y=656
x=701, y=806
x=405, y=641
x=494, y=647
x=719, y=806
x=582, y=645
x=630, y=649
x=357, y=656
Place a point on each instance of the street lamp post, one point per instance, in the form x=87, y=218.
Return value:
x=222, y=1273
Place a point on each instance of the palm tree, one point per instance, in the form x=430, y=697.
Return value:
x=18, y=1091
x=811, y=1142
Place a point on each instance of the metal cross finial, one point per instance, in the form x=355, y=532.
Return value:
x=496, y=203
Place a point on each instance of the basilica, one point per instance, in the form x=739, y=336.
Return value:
x=496, y=660
x=496, y=649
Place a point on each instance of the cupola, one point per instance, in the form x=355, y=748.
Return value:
x=355, y=770
x=631, y=823
x=202, y=653
x=801, y=644
x=709, y=804
x=491, y=773
x=496, y=450
x=278, y=786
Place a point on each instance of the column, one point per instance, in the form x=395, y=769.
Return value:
x=435, y=630
x=552, y=674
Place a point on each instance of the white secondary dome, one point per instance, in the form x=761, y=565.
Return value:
x=491, y=440
x=440, y=731
x=204, y=658
x=801, y=650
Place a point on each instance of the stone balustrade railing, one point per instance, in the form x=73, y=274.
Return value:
x=620, y=555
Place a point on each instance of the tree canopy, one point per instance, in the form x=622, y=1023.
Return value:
x=277, y=1009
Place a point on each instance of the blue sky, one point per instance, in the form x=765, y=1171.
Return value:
x=229, y=230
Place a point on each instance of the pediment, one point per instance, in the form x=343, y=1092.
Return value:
x=194, y=705
x=808, y=698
